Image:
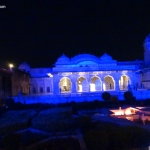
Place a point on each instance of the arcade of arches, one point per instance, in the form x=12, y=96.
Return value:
x=82, y=85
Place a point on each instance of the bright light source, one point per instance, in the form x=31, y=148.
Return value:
x=11, y=65
x=128, y=112
x=50, y=75
x=120, y=112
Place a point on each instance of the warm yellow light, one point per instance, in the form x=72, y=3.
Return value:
x=80, y=88
x=128, y=112
x=119, y=112
x=11, y=65
x=50, y=75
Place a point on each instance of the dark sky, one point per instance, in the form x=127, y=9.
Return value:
x=40, y=31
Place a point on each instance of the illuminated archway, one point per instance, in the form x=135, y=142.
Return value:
x=65, y=85
x=95, y=84
x=82, y=85
x=109, y=83
x=124, y=82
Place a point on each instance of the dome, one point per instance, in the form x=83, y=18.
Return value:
x=147, y=39
x=63, y=59
x=24, y=67
x=84, y=57
x=105, y=57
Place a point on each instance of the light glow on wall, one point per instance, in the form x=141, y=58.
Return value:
x=65, y=82
x=92, y=87
x=80, y=88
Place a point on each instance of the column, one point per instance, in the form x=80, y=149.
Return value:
x=74, y=90
x=117, y=83
x=73, y=81
x=102, y=79
x=56, y=85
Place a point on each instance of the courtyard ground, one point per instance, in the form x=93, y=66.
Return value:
x=38, y=127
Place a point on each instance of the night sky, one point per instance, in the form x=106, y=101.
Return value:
x=40, y=31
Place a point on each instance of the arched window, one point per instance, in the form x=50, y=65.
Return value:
x=65, y=85
x=82, y=84
x=109, y=83
x=124, y=82
x=95, y=84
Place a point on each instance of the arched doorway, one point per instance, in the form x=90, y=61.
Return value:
x=109, y=83
x=65, y=85
x=124, y=82
x=95, y=84
x=82, y=85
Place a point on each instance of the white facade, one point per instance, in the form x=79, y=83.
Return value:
x=86, y=73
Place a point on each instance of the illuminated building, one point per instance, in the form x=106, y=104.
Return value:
x=90, y=75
